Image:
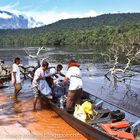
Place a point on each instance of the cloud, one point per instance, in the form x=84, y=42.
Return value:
x=92, y=13
x=46, y=17
x=11, y=8
x=4, y=15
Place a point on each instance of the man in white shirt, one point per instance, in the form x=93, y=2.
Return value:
x=39, y=83
x=16, y=78
x=73, y=75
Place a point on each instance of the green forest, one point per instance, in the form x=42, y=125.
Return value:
x=104, y=30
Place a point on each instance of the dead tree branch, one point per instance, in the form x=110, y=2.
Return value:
x=130, y=54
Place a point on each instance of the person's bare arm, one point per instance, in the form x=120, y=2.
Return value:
x=61, y=74
x=65, y=80
x=14, y=77
x=41, y=78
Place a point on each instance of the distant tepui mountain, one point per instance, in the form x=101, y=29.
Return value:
x=10, y=20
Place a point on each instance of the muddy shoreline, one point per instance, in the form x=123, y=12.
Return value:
x=42, y=124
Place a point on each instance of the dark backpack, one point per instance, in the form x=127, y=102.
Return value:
x=118, y=115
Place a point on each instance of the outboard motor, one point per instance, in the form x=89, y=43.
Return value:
x=59, y=93
x=58, y=89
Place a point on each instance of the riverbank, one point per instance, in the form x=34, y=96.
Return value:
x=18, y=121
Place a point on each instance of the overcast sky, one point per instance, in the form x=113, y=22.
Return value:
x=49, y=11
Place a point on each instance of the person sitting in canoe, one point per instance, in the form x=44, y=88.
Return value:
x=54, y=73
x=75, y=91
x=39, y=83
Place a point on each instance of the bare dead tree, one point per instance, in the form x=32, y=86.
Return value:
x=36, y=54
x=130, y=53
x=28, y=71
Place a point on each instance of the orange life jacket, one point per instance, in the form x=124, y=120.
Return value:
x=73, y=64
x=120, y=134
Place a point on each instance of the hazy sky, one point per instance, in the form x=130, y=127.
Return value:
x=48, y=11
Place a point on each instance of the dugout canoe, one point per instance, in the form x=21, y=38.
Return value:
x=92, y=131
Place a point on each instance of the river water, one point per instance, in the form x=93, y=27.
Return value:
x=126, y=94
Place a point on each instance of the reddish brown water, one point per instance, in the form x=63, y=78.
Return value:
x=19, y=121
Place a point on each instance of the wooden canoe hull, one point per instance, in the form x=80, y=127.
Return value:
x=90, y=132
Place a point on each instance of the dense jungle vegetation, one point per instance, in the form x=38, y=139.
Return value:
x=104, y=30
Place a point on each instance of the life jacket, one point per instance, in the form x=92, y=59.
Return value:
x=120, y=134
x=73, y=64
